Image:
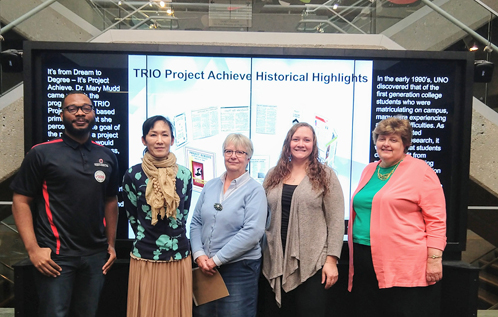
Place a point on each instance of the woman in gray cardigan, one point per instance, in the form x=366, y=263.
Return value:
x=305, y=234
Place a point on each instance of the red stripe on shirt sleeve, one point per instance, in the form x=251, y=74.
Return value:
x=48, y=142
x=51, y=218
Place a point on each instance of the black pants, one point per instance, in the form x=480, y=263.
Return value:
x=308, y=299
x=369, y=300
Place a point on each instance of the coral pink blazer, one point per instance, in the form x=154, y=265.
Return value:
x=408, y=216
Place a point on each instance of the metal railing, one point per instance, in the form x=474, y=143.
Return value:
x=359, y=16
x=11, y=251
x=338, y=14
x=153, y=12
x=458, y=23
x=26, y=16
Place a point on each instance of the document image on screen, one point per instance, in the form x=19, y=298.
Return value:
x=213, y=94
x=209, y=97
x=319, y=92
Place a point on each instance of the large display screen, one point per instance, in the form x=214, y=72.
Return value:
x=261, y=92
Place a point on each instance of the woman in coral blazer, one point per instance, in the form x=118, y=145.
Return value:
x=397, y=230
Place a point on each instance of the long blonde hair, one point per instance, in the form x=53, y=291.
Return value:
x=315, y=171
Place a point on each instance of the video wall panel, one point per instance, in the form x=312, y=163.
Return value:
x=342, y=94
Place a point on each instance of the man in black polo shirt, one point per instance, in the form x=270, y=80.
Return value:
x=65, y=207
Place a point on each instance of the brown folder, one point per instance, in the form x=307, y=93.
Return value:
x=207, y=288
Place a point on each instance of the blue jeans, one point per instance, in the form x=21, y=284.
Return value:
x=241, y=279
x=76, y=291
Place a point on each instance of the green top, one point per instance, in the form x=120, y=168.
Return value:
x=362, y=204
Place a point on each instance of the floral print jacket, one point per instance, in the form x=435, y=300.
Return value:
x=167, y=240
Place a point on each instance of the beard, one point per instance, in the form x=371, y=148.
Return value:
x=78, y=132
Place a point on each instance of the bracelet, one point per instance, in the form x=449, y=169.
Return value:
x=434, y=256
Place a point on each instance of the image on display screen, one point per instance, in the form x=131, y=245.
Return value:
x=206, y=97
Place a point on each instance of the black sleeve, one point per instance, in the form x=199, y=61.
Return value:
x=29, y=178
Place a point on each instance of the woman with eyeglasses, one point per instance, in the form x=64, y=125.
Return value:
x=226, y=229
x=157, y=195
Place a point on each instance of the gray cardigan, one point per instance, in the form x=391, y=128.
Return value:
x=316, y=229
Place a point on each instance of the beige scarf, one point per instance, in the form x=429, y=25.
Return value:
x=161, y=188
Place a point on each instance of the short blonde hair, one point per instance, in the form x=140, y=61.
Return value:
x=395, y=125
x=239, y=140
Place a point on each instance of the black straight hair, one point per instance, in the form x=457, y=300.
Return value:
x=150, y=122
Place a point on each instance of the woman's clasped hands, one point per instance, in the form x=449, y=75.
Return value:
x=206, y=265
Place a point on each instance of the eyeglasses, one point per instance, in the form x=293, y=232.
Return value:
x=74, y=109
x=229, y=153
